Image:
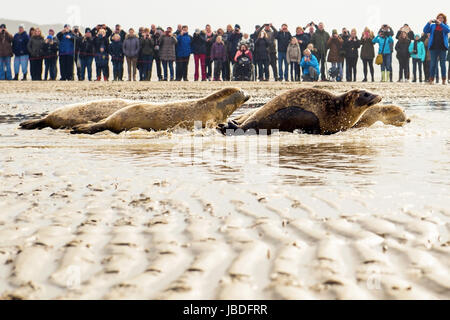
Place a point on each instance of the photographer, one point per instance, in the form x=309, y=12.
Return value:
x=199, y=51
x=87, y=52
x=385, y=43
x=77, y=38
x=50, y=52
x=438, y=45
x=66, y=53
x=35, y=49
x=210, y=35
x=407, y=30
x=334, y=44
x=270, y=31
x=147, y=55
x=367, y=52
x=20, y=51
x=351, y=46
x=402, y=48
x=6, y=53
x=310, y=67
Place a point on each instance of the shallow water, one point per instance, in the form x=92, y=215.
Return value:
x=381, y=170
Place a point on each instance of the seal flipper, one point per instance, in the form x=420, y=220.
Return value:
x=288, y=119
x=34, y=124
x=89, y=128
x=232, y=125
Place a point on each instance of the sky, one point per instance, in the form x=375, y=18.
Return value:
x=195, y=13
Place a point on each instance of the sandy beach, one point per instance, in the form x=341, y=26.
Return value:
x=363, y=214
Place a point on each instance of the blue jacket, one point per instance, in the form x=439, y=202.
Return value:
x=20, y=43
x=66, y=45
x=387, y=47
x=429, y=28
x=313, y=63
x=421, y=54
x=184, y=46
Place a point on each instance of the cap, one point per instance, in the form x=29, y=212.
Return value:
x=87, y=30
x=67, y=26
x=3, y=26
x=257, y=26
x=237, y=26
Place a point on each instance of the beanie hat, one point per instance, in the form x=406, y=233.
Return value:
x=3, y=26
x=334, y=31
x=237, y=26
x=87, y=30
x=67, y=26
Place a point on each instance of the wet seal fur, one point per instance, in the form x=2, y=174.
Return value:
x=311, y=111
x=388, y=114
x=76, y=114
x=215, y=108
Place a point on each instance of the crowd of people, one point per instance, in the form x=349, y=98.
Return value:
x=225, y=55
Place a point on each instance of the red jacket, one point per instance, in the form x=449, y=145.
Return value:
x=239, y=53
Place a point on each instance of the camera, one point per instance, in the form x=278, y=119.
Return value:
x=434, y=21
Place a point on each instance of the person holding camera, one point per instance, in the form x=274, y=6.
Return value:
x=367, y=53
x=351, y=46
x=167, y=52
x=147, y=56
x=310, y=67
x=66, y=53
x=183, y=54
x=87, y=52
x=50, y=53
x=210, y=35
x=77, y=39
x=199, y=51
x=101, y=45
x=417, y=52
x=438, y=45
x=385, y=42
x=320, y=40
x=6, y=52
x=334, y=44
x=261, y=55
x=403, y=55
x=34, y=47
x=270, y=32
x=407, y=30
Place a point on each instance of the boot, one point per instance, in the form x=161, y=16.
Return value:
x=444, y=81
x=105, y=78
x=24, y=77
x=16, y=77
x=431, y=81
x=383, y=76
x=389, y=76
x=99, y=78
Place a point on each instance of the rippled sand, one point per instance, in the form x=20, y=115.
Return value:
x=363, y=214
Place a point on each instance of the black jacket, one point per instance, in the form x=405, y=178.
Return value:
x=261, y=50
x=100, y=42
x=351, y=48
x=284, y=38
x=50, y=50
x=87, y=47
x=199, y=43
x=402, y=48
x=115, y=50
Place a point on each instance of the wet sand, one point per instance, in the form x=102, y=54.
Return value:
x=363, y=214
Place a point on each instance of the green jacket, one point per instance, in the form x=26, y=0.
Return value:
x=319, y=40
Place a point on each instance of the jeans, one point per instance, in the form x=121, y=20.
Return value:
x=387, y=62
x=182, y=68
x=86, y=63
x=166, y=64
x=435, y=55
x=263, y=72
x=117, y=68
x=50, y=67
x=21, y=61
x=294, y=71
x=218, y=67
x=146, y=67
x=281, y=59
x=340, y=68
x=200, y=60
x=351, y=68
x=102, y=66
x=417, y=64
x=5, y=68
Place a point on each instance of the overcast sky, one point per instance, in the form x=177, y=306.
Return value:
x=335, y=14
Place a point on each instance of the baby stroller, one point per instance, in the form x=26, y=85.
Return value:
x=243, y=69
x=334, y=74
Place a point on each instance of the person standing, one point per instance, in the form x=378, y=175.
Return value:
x=294, y=57
x=183, y=54
x=438, y=45
x=34, y=48
x=118, y=30
x=232, y=45
x=407, y=30
x=116, y=52
x=6, y=52
x=417, y=52
x=50, y=53
x=351, y=46
x=167, y=52
x=319, y=40
x=403, y=55
x=261, y=55
x=284, y=38
x=87, y=53
x=156, y=36
x=210, y=35
x=101, y=45
x=66, y=53
x=219, y=56
x=334, y=45
x=199, y=50
x=20, y=51
x=384, y=41
x=77, y=39
x=270, y=31
x=131, y=49
x=147, y=55
x=367, y=52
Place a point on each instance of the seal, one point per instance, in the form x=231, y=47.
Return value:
x=311, y=111
x=76, y=114
x=215, y=108
x=388, y=114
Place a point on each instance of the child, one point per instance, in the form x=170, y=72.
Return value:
x=219, y=56
x=417, y=51
x=293, y=57
x=116, y=52
x=101, y=55
x=50, y=52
